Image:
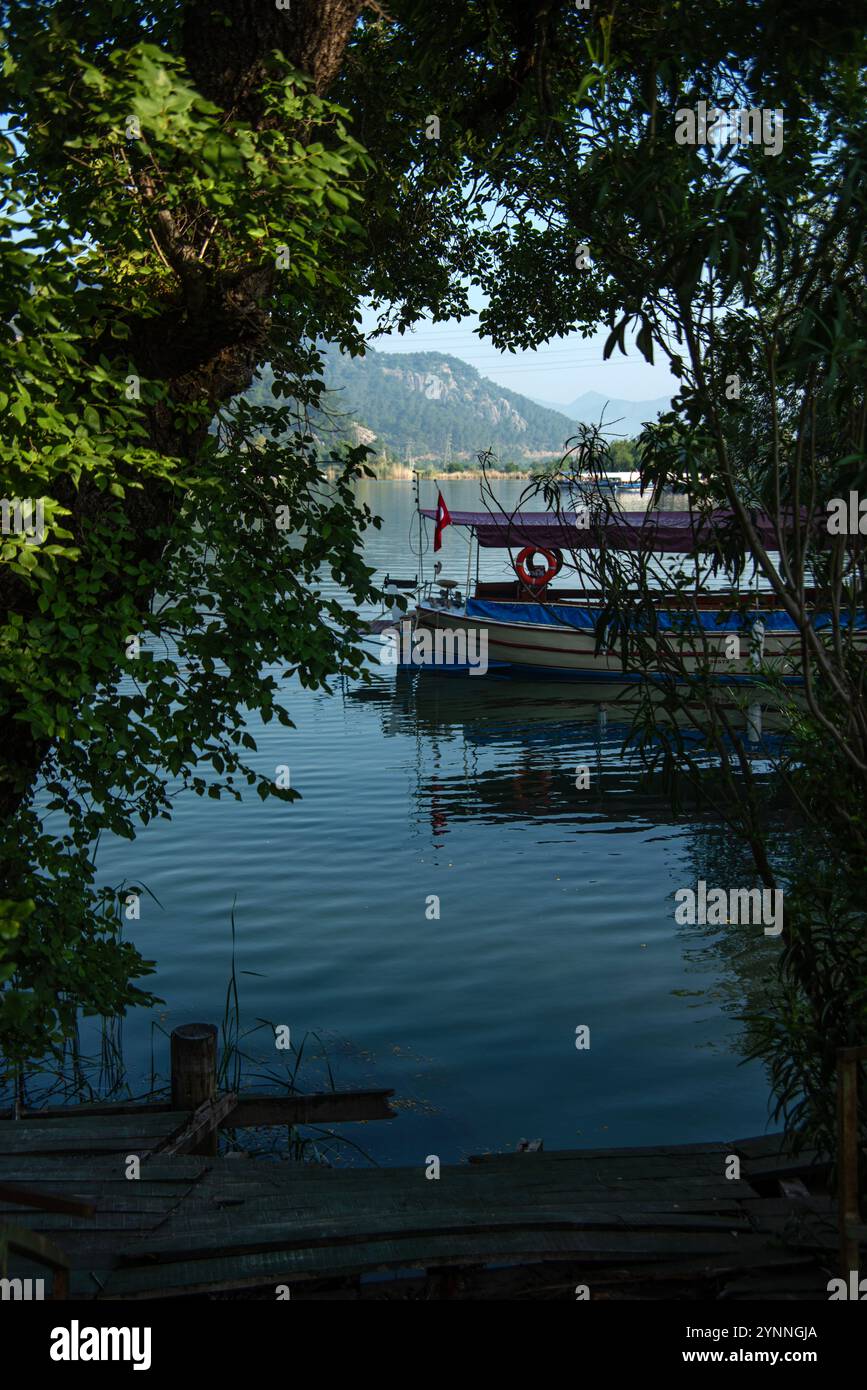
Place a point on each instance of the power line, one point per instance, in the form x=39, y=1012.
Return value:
x=510, y=363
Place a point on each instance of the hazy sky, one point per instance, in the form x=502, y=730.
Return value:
x=557, y=373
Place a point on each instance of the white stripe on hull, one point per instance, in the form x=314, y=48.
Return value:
x=573, y=649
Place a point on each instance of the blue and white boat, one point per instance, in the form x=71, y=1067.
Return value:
x=531, y=624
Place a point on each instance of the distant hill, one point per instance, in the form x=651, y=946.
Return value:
x=423, y=403
x=430, y=406
x=426, y=405
x=622, y=419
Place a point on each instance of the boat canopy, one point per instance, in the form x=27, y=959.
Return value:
x=677, y=532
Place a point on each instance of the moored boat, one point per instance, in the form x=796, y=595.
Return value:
x=613, y=480
x=531, y=624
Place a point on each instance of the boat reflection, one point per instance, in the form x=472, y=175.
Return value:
x=505, y=754
x=543, y=750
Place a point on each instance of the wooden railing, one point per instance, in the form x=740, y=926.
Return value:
x=852, y=1233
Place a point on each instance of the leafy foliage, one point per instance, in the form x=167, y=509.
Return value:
x=158, y=534
x=183, y=203
x=743, y=269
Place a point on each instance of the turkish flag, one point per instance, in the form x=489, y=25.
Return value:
x=443, y=520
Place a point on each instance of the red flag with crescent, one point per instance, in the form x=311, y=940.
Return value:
x=443, y=520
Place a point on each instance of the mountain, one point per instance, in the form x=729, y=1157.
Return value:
x=428, y=405
x=425, y=403
x=622, y=419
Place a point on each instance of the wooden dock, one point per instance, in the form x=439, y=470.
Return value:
x=133, y=1202
x=615, y=1220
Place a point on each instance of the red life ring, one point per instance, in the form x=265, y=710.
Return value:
x=554, y=560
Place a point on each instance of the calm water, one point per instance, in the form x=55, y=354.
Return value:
x=556, y=910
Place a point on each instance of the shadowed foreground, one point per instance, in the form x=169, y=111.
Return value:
x=627, y=1223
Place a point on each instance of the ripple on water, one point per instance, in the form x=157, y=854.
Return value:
x=555, y=909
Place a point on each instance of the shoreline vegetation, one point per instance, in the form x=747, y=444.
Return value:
x=403, y=473
x=622, y=454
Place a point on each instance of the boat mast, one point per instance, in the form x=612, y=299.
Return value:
x=417, y=489
x=469, y=565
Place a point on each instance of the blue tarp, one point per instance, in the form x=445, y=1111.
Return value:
x=586, y=619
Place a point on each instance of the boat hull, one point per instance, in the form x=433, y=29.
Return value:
x=565, y=651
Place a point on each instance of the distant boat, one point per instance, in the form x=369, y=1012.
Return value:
x=613, y=480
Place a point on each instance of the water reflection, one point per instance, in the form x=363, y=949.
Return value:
x=556, y=910
x=505, y=752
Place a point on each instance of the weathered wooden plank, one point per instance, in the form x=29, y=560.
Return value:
x=95, y=1281
x=348, y=1197
x=811, y=1283
x=143, y=1120
x=136, y=1222
x=708, y=1267
x=98, y=1108
x=412, y=1190
x=199, y=1235
x=139, y=1144
x=238, y=1271
x=412, y=1180
x=769, y=1157
x=579, y=1178
x=105, y=1205
x=89, y=1249
x=351, y=1199
x=15, y=1196
x=73, y=1175
x=760, y=1145
x=627, y=1160
x=109, y=1135
x=34, y=1246
x=138, y=1197
x=187, y=1137
x=321, y=1108
x=657, y=1151
x=146, y=1211
x=169, y=1195
x=776, y=1167
x=591, y=1180
x=88, y=1283
x=817, y=1202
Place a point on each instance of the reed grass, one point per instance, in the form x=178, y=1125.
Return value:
x=76, y=1078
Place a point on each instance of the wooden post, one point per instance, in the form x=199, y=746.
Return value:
x=194, y=1073
x=847, y=1157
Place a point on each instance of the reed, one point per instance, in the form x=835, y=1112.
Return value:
x=75, y=1077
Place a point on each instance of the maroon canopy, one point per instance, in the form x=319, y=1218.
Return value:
x=670, y=531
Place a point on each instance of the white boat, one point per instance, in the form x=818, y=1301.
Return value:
x=531, y=625
x=614, y=480
x=562, y=637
